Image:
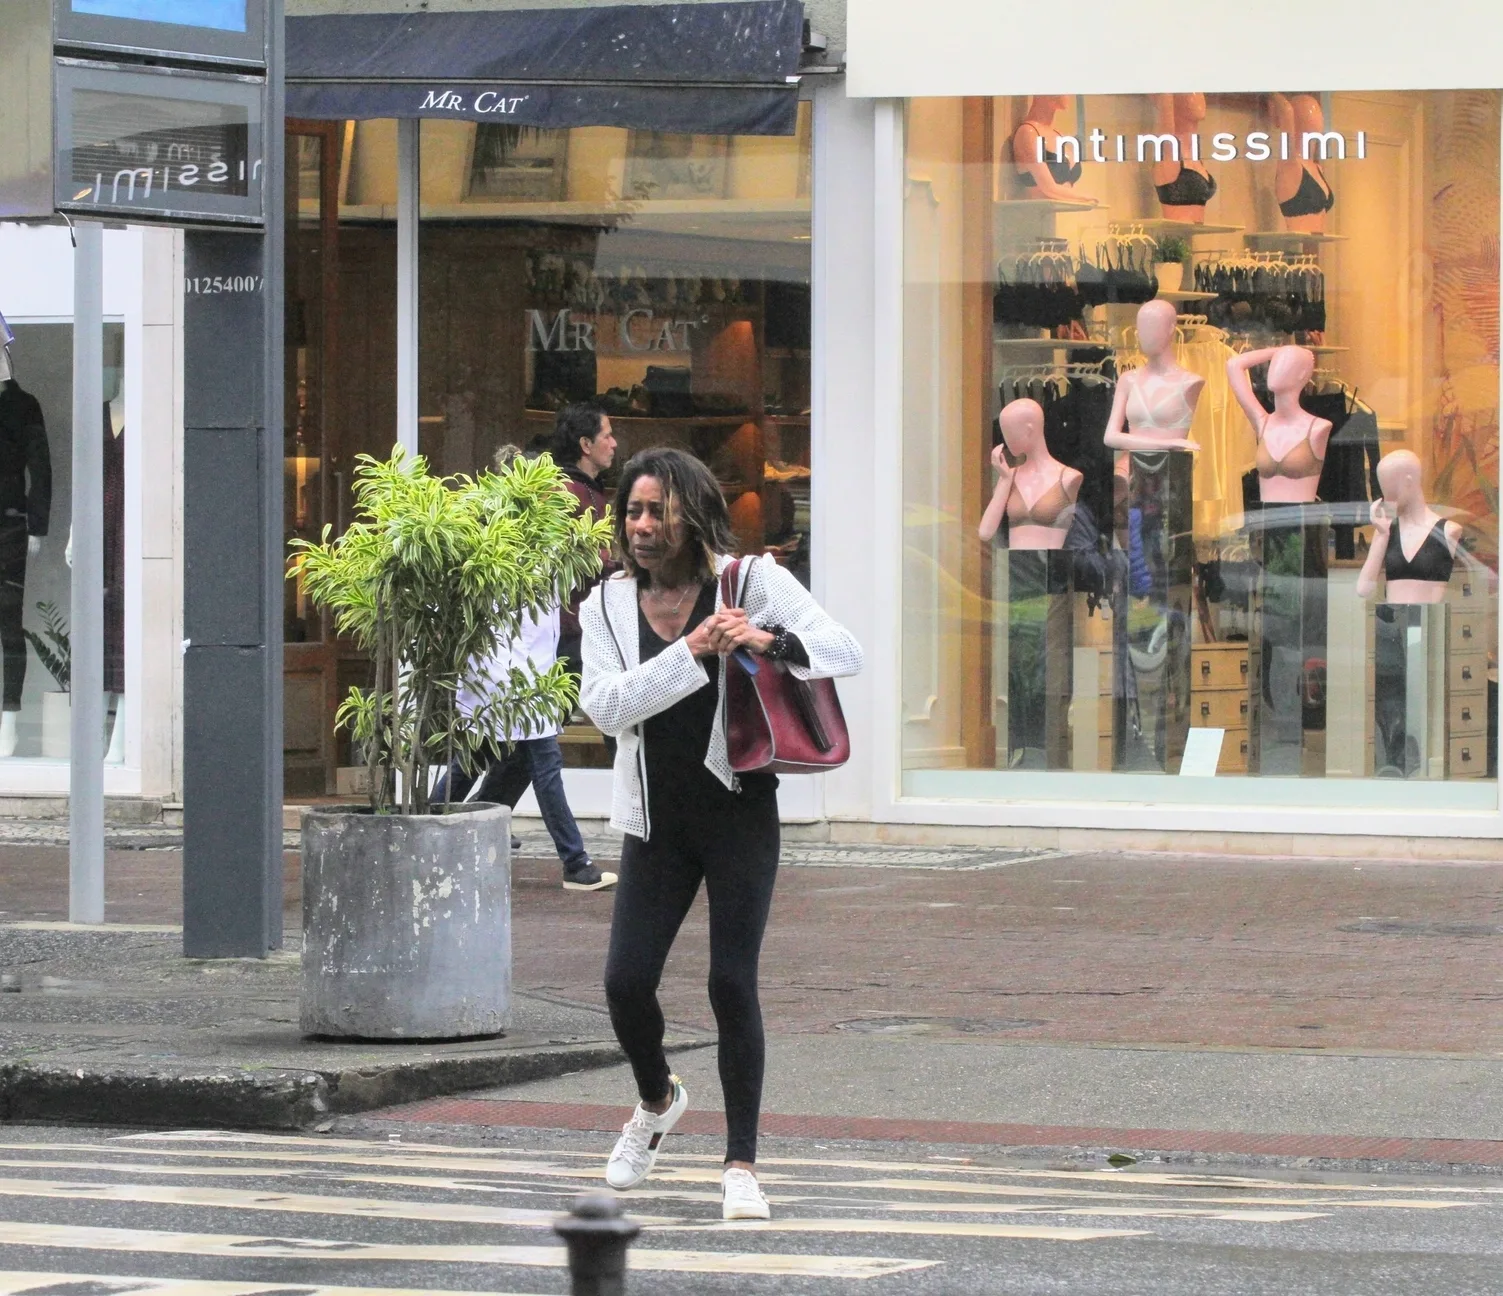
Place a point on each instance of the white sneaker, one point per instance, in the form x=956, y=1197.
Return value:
x=741, y=1196
x=636, y=1151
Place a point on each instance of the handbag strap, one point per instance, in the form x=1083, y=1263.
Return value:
x=732, y=584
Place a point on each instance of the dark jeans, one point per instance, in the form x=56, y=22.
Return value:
x=733, y=846
x=13, y=556
x=535, y=761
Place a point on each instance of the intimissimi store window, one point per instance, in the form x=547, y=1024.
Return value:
x=1200, y=448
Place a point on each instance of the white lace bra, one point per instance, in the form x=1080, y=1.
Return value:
x=1164, y=408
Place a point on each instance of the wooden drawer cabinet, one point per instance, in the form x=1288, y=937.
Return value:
x=1466, y=713
x=1218, y=666
x=1467, y=673
x=1468, y=756
x=1219, y=709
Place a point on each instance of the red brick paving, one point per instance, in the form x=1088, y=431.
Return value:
x=1095, y=948
x=583, y=1116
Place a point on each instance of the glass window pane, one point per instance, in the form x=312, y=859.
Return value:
x=1200, y=439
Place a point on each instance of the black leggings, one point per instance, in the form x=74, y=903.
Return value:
x=732, y=843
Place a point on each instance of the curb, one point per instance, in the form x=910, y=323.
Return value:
x=282, y=1099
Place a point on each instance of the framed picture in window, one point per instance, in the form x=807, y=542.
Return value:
x=519, y=164
x=662, y=165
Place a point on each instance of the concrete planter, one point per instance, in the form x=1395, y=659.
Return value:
x=406, y=923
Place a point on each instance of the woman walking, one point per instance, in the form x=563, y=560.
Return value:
x=653, y=639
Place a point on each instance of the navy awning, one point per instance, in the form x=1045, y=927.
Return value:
x=704, y=69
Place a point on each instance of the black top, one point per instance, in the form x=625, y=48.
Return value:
x=1187, y=189
x=1433, y=562
x=675, y=741
x=25, y=464
x=1309, y=198
x=1062, y=171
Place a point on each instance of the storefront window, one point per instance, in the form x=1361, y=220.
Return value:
x=665, y=277
x=1200, y=448
x=36, y=481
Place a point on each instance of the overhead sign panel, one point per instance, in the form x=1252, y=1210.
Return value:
x=232, y=31
x=158, y=144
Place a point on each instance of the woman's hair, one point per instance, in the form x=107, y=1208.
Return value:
x=572, y=423
x=694, y=512
x=504, y=455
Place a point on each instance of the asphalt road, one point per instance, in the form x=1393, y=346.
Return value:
x=85, y=1213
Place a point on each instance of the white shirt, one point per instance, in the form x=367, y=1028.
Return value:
x=536, y=646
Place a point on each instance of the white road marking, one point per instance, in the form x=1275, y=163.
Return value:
x=236, y=1246
x=18, y=1282
x=913, y=1228
x=292, y=1203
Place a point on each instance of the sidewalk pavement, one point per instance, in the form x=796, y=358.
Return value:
x=925, y=987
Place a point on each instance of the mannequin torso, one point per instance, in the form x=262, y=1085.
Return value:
x=1054, y=177
x=1034, y=492
x=1291, y=443
x=1183, y=185
x=1413, y=546
x=1300, y=185
x=1155, y=405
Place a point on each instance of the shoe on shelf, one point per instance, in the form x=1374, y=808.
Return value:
x=741, y=1196
x=636, y=1151
x=588, y=878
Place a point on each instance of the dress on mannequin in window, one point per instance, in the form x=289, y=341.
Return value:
x=25, y=503
x=114, y=558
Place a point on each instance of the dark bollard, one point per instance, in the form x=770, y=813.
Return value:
x=597, y=1236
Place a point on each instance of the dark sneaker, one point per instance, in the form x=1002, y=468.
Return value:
x=588, y=878
x=516, y=843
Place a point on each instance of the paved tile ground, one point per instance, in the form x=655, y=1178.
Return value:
x=978, y=945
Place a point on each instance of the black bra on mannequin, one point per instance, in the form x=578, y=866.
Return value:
x=1187, y=189
x=1309, y=199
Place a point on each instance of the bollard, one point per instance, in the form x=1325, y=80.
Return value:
x=597, y=1236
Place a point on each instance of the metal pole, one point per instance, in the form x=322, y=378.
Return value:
x=86, y=767
x=409, y=212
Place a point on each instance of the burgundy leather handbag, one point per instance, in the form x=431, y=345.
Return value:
x=775, y=722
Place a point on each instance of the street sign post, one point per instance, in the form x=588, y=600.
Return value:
x=170, y=112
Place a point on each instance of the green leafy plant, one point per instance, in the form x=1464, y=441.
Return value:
x=431, y=578
x=1174, y=249
x=53, y=647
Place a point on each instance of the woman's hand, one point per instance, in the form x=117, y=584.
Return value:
x=700, y=639
x=730, y=630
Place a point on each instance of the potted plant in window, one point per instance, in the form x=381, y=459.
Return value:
x=407, y=901
x=54, y=650
x=1170, y=269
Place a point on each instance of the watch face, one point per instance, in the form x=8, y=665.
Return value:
x=221, y=15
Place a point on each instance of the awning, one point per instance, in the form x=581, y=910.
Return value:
x=704, y=69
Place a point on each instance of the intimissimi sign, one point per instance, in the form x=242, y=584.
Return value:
x=1225, y=146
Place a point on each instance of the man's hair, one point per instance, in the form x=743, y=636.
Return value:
x=572, y=423
x=694, y=511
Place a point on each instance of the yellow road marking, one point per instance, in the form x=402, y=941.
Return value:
x=237, y=1246
x=18, y=1282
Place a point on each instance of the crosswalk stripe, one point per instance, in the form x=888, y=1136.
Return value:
x=292, y=1203
x=237, y=1246
x=915, y=1228
x=954, y=1167
x=19, y=1282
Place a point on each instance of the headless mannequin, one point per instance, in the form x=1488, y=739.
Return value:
x=1295, y=117
x=1402, y=517
x=1036, y=179
x=116, y=751
x=1180, y=115
x=1295, y=475
x=9, y=719
x=1027, y=481
x=1155, y=405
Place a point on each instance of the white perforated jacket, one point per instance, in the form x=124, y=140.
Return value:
x=620, y=691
